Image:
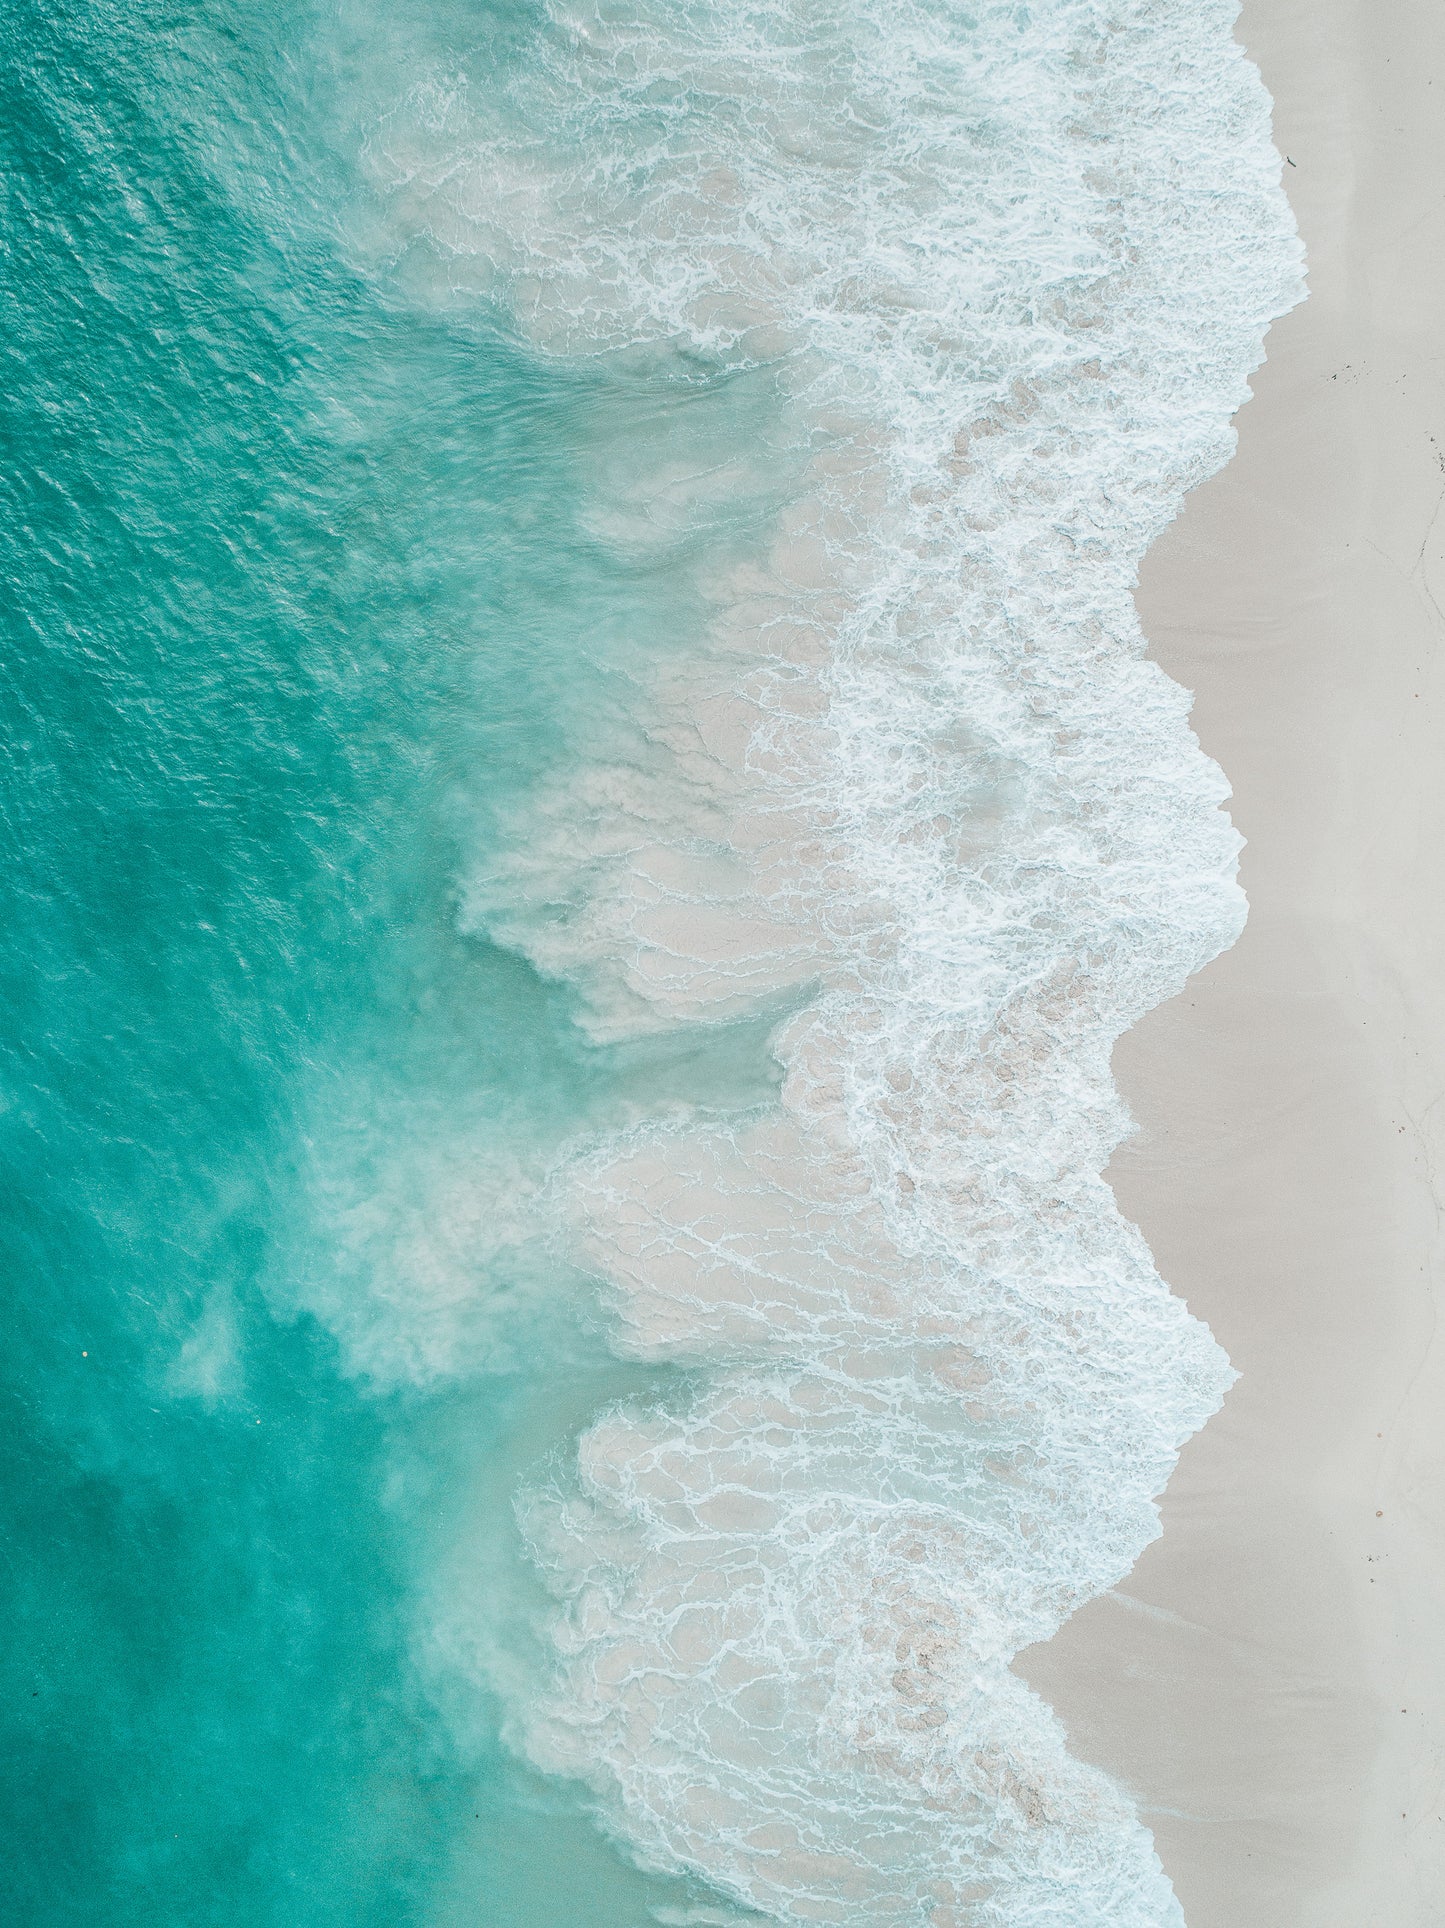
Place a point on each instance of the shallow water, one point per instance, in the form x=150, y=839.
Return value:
x=583, y=809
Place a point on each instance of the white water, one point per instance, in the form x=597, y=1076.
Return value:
x=999, y=275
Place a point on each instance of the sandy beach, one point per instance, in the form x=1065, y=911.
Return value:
x=1271, y=1678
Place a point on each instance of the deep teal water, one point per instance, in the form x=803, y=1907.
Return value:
x=281, y=617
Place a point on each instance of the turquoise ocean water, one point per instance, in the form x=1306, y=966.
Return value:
x=498, y=953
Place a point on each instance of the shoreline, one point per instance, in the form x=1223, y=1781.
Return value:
x=1270, y=1679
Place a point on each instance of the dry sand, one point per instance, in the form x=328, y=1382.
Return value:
x=1271, y=1678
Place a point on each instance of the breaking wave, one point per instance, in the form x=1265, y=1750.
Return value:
x=918, y=321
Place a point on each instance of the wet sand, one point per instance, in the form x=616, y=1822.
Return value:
x=1271, y=1678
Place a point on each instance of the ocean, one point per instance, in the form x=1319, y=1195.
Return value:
x=583, y=807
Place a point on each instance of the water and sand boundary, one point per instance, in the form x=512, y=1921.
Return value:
x=1270, y=1676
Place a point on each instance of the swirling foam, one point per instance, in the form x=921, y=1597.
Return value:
x=1004, y=271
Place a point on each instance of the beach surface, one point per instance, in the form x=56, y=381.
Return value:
x=1270, y=1680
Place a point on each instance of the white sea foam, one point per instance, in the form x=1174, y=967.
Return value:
x=1006, y=269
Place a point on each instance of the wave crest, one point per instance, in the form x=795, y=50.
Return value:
x=1003, y=275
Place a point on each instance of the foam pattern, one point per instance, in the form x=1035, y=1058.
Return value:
x=1004, y=270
